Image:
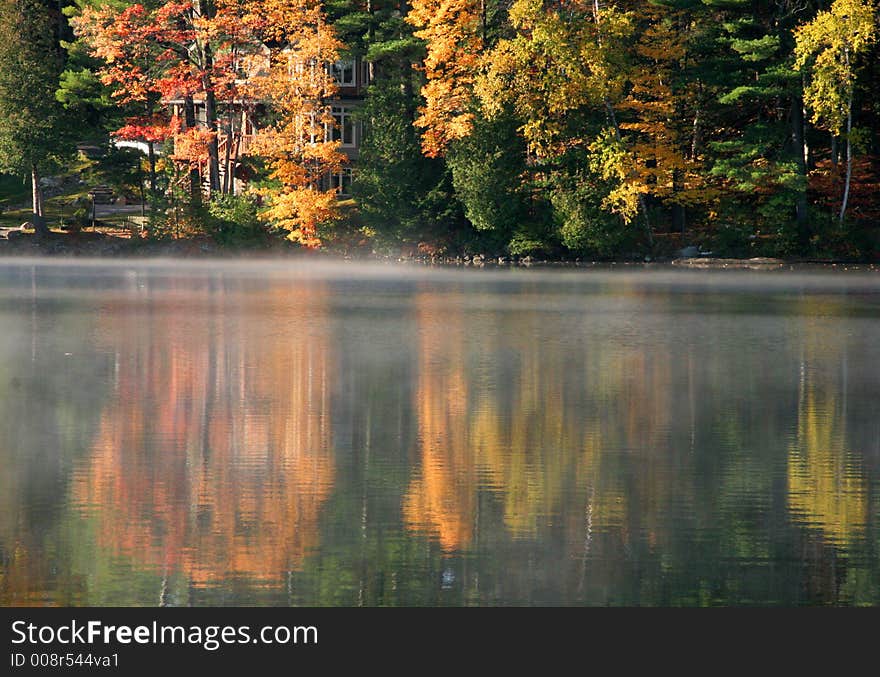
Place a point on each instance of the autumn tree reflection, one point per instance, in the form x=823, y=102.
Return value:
x=496, y=416
x=214, y=458
x=441, y=499
x=827, y=488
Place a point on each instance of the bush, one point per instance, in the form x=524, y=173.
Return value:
x=583, y=226
x=233, y=219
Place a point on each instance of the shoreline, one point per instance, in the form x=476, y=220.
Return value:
x=98, y=245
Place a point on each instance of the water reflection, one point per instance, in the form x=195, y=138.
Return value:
x=214, y=436
x=827, y=485
x=214, y=454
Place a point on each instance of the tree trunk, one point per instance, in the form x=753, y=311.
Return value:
x=206, y=10
x=846, y=188
x=213, y=144
x=227, y=155
x=800, y=153
x=696, y=137
x=849, y=120
x=211, y=121
x=195, y=182
x=151, y=155
x=40, y=228
x=679, y=213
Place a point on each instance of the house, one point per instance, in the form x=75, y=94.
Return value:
x=238, y=125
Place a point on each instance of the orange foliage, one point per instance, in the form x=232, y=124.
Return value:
x=452, y=30
x=299, y=146
x=214, y=457
x=191, y=145
x=826, y=184
x=163, y=54
x=441, y=499
x=665, y=162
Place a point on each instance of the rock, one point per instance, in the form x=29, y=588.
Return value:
x=50, y=182
x=689, y=252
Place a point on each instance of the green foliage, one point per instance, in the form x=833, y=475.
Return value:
x=13, y=190
x=487, y=170
x=584, y=227
x=31, y=127
x=233, y=219
x=120, y=169
x=401, y=195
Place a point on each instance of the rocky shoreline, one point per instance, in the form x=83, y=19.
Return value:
x=17, y=243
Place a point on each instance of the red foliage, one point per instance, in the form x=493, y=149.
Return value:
x=827, y=183
x=155, y=129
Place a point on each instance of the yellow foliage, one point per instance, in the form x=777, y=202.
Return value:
x=824, y=487
x=299, y=146
x=452, y=31
x=299, y=211
x=829, y=45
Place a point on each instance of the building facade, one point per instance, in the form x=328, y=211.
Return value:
x=239, y=123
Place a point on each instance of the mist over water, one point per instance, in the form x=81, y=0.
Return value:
x=337, y=433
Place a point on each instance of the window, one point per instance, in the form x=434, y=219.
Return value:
x=341, y=182
x=343, y=128
x=343, y=73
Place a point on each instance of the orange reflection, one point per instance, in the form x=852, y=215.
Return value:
x=524, y=447
x=215, y=457
x=441, y=500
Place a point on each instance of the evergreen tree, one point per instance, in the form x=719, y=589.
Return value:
x=30, y=120
x=402, y=195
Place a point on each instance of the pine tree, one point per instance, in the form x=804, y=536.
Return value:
x=30, y=119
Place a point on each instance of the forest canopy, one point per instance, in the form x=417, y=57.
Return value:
x=549, y=128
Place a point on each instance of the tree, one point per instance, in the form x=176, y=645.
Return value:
x=130, y=66
x=401, y=195
x=829, y=47
x=180, y=51
x=563, y=75
x=454, y=31
x=30, y=119
x=299, y=143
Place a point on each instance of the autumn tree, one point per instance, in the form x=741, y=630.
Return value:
x=30, y=119
x=563, y=75
x=174, y=51
x=664, y=110
x=130, y=67
x=829, y=48
x=454, y=33
x=299, y=144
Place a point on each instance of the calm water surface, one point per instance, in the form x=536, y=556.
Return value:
x=208, y=434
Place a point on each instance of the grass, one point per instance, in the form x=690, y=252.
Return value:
x=15, y=200
x=13, y=191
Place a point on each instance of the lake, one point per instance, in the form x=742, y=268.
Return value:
x=295, y=433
